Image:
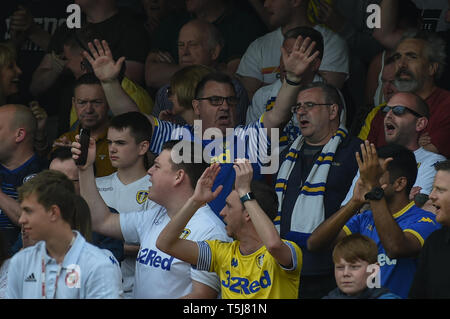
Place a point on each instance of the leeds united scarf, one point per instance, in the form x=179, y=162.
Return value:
x=308, y=212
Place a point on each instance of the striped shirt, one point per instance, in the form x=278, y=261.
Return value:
x=249, y=141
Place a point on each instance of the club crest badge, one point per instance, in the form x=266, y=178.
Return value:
x=72, y=279
x=141, y=196
x=185, y=233
x=260, y=260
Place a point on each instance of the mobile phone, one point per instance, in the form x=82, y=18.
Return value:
x=85, y=135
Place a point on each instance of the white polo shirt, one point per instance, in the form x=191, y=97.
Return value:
x=86, y=272
x=132, y=197
x=159, y=275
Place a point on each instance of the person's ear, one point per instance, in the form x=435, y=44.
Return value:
x=20, y=134
x=215, y=52
x=180, y=175
x=196, y=107
x=334, y=111
x=421, y=124
x=54, y=213
x=143, y=147
x=400, y=183
x=433, y=68
x=246, y=215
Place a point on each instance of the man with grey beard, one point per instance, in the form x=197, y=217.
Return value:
x=419, y=61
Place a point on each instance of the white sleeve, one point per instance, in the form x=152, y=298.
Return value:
x=104, y=282
x=336, y=55
x=350, y=191
x=14, y=286
x=426, y=173
x=251, y=62
x=130, y=224
x=257, y=107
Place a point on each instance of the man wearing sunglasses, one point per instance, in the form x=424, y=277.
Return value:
x=419, y=62
x=405, y=118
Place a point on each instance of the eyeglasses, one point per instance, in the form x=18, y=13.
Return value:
x=399, y=110
x=306, y=106
x=218, y=100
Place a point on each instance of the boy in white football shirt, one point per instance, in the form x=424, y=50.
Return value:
x=126, y=190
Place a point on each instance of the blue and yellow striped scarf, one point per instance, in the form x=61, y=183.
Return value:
x=309, y=208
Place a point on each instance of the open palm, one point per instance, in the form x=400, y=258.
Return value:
x=301, y=57
x=203, y=191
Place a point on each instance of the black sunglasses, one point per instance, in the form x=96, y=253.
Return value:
x=400, y=110
x=218, y=100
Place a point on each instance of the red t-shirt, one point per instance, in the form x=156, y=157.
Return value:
x=438, y=124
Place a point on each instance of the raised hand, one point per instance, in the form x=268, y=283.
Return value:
x=244, y=176
x=370, y=167
x=359, y=191
x=203, y=191
x=102, y=61
x=20, y=21
x=301, y=57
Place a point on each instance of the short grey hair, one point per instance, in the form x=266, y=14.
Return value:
x=213, y=33
x=331, y=94
x=434, y=48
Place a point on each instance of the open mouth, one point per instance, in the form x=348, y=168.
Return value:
x=437, y=207
x=390, y=128
x=304, y=123
x=404, y=74
x=223, y=119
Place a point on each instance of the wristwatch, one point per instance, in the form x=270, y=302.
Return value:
x=246, y=197
x=376, y=193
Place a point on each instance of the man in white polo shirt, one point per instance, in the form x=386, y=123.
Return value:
x=62, y=265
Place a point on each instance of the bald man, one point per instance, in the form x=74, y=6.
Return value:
x=18, y=163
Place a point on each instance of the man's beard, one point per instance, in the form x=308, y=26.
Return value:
x=407, y=85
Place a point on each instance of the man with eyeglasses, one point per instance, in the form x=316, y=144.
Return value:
x=215, y=106
x=316, y=172
x=406, y=116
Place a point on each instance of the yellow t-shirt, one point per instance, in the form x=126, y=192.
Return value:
x=103, y=166
x=254, y=276
x=137, y=93
x=365, y=130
